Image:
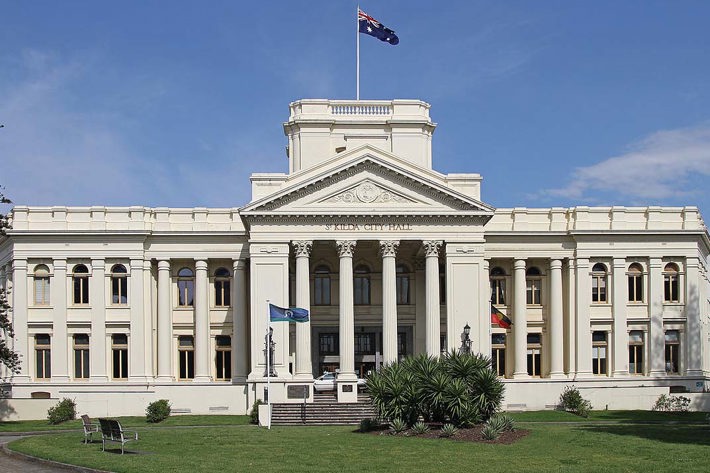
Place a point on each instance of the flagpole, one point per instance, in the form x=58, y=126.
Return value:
x=268, y=363
x=357, y=54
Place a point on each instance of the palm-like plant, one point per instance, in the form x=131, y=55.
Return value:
x=487, y=393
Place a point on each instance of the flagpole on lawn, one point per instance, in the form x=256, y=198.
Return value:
x=357, y=53
x=268, y=362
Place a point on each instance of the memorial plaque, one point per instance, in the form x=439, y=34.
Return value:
x=298, y=391
x=347, y=388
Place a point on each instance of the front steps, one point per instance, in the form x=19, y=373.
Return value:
x=325, y=410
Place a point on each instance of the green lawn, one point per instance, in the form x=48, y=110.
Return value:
x=610, y=416
x=132, y=422
x=588, y=447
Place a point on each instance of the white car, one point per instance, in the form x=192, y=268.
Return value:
x=326, y=382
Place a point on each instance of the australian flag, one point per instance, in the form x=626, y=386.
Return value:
x=294, y=314
x=369, y=25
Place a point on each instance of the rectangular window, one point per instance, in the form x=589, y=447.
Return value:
x=321, y=290
x=361, y=290
x=119, y=355
x=599, y=289
x=81, y=356
x=186, y=357
x=636, y=352
x=221, y=293
x=41, y=290
x=186, y=292
x=498, y=353
x=533, y=292
x=672, y=351
x=81, y=289
x=402, y=344
x=223, y=358
x=534, y=354
x=328, y=344
x=364, y=343
x=402, y=289
x=670, y=288
x=635, y=287
x=599, y=352
x=498, y=291
x=43, y=357
x=119, y=290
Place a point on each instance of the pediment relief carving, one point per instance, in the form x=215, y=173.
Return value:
x=367, y=192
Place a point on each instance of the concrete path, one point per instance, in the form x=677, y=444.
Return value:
x=19, y=464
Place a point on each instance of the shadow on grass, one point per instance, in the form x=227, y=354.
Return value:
x=649, y=416
x=678, y=434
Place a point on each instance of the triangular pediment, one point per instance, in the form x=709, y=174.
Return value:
x=367, y=181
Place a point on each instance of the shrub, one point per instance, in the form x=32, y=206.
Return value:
x=666, y=403
x=398, y=426
x=420, y=428
x=157, y=411
x=571, y=400
x=457, y=388
x=489, y=432
x=64, y=410
x=508, y=423
x=254, y=414
x=366, y=425
x=448, y=430
x=496, y=423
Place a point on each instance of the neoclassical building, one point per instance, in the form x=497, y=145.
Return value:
x=119, y=306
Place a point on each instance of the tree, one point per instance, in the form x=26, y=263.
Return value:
x=8, y=357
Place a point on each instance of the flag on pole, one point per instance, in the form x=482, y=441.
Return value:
x=372, y=27
x=499, y=318
x=293, y=314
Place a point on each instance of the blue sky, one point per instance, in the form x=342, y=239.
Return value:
x=555, y=103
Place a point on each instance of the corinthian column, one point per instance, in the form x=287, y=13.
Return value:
x=304, y=368
x=520, y=321
x=202, y=323
x=347, y=310
x=388, y=249
x=556, y=330
x=165, y=323
x=433, y=304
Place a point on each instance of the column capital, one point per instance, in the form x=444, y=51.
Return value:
x=619, y=263
x=164, y=265
x=556, y=263
x=519, y=263
x=302, y=248
x=239, y=264
x=432, y=247
x=389, y=247
x=200, y=265
x=19, y=263
x=581, y=263
x=346, y=248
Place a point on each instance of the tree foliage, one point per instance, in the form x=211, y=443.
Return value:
x=8, y=357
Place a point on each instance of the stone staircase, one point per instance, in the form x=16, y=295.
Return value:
x=324, y=410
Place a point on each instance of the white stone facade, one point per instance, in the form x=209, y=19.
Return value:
x=117, y=307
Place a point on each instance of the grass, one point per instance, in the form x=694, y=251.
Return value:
x=128, y=422
x=587, y=447
x=609, y=416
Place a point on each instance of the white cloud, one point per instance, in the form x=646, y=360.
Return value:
x=660, y=167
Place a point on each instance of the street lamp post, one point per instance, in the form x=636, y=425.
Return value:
x=466, y=340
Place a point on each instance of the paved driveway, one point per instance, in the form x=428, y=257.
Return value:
x=16, y=464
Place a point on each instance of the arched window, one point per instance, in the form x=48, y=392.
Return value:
x=361, y=289
x=222, y=296
x=41, y=285
x=635, y=280
x=533, y=279
x=186, y=287
x=80, y=279
x=119, y=284
x=498, y=286
x=402, y=284
x=599, y=283
x=670, y=283
x=321, y=283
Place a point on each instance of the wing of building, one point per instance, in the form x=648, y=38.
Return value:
x=119, y=306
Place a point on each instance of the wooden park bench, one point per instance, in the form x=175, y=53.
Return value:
x=111, y=431
x=89, y=428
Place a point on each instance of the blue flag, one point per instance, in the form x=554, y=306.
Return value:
x=369, y=25
x=294, y=314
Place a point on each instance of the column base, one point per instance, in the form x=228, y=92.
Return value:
x=657, y=373
x=522, y=375
x=202, y=379
x=584, y=375
x=303, y=377
x=99, y=379
x=347, y=391
x=619, y=374
x=164, y=379
x=558, y=375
